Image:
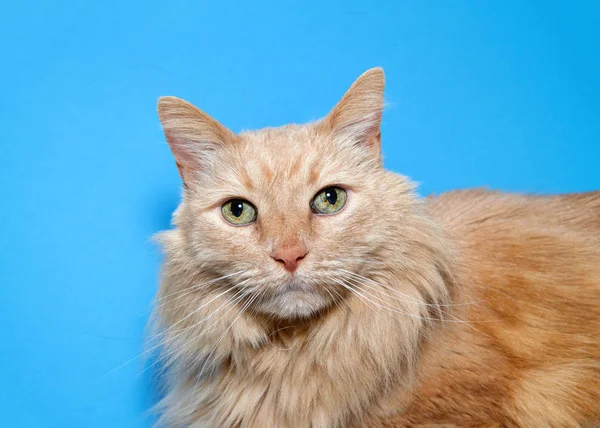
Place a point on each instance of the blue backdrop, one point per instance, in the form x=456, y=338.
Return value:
x=497, y=93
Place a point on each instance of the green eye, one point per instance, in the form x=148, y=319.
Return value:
x=329, y=200
x=238, y=212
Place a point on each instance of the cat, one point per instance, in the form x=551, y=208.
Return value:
x=306, y=286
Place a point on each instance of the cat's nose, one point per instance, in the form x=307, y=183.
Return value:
x=290, y=256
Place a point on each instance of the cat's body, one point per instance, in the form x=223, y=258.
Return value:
x=533, y=263
x=472, y=308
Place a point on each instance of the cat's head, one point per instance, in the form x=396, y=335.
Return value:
x=284, y=212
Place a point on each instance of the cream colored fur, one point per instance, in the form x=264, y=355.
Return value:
x=389, y=285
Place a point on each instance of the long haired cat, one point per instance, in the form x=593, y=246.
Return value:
x=306, y=286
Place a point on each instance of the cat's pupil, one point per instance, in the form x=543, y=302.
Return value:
x=331, y=196
x=237, y=207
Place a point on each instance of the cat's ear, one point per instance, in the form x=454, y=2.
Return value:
x=192, y=134
x=356, y=119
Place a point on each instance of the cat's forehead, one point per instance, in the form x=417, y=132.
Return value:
x=280, y=142
x=287, y=152
x=284, y=162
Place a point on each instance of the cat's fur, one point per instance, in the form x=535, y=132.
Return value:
x=472, y=308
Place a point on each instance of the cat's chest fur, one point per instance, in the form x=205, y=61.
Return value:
x=303, y=379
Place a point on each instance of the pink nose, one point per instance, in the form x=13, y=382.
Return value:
x=290, y=256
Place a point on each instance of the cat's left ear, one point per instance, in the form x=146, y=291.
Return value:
x=356, y=119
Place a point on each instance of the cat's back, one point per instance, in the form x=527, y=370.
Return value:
x=536, y=248
x=527, y=256
x=481, y=211
x=533, y=265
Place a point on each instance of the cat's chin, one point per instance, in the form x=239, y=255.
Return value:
x=294, y=304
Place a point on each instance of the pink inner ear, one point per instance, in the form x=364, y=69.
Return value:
x=184, y=159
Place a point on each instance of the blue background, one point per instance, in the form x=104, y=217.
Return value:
x=481, y=93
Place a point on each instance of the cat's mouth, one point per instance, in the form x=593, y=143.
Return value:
x=293, y=298
x=295, y=285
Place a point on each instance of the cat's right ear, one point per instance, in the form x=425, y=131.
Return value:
x=192, y=134
x=356, y=119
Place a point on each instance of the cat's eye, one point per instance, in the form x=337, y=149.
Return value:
x=330, y=200
x=238, y=212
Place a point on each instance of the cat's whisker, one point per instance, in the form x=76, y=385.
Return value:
x=356, y=293
x=408, y=298
x=335, y=301
x=165, y=358
x=243, y=282
x=454, y=318
x=153, y=348
x=187, y=304
x=195, y=311
x=411, y=299
x=337, y=293
x=437, y=306
x=359, y=260
x=390, y=308
x=238, y=295
x=467, y=323
x=387, y=307
x=212, y=326
x=189, y=290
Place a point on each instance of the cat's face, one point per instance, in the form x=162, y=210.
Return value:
x=283, y=210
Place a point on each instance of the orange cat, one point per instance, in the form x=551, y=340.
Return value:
x=306, y=286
